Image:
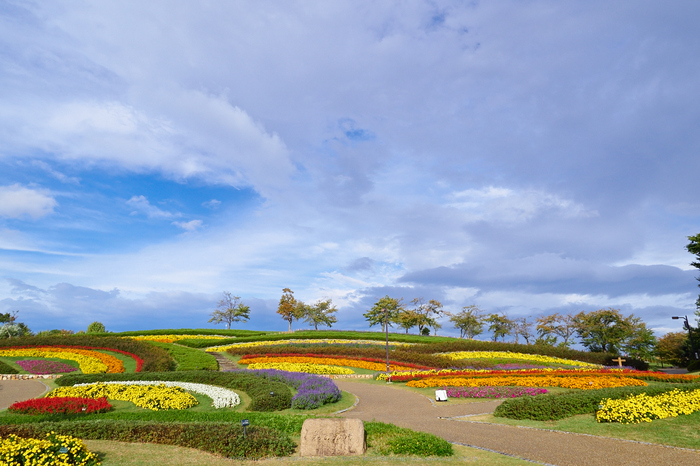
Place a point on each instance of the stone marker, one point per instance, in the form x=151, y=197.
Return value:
x=332, y=437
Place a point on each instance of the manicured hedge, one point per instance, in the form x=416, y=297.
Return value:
x=154, y=359
x=389, y=439
x=7, y=369
x=188, y=359
x=551, y=407
x=266, y=395
x=221, y=438
x=190, y=331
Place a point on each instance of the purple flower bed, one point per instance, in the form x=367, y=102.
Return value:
x=494, y=392
x=312, y=391
x=41, y=367
x=517, y=367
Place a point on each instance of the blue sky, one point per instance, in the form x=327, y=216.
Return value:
x=528, y=157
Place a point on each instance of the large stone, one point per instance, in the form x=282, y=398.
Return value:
x=332, y=437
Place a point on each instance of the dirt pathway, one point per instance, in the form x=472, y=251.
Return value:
x=12, y=391
x=407, y=409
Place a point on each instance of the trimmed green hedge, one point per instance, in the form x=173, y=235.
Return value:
x=188, y=359
x=7, y=369
x=190, y=331
x=154, y=359
x=222, y=438
x=552, y=407
x=266, y=395
x=390, y=439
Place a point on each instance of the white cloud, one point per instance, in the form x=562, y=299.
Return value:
x=141, y=204
x=16, y=201
x=192, y=225
x=212, y=204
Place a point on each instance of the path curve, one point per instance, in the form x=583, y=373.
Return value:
x=404, y=408
x=12, y=391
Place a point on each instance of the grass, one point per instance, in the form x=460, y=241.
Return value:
x=188, y=359
x=141, y=454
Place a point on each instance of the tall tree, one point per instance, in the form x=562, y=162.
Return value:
x=550, y=327
x=469, y=321
x=670, y=349
x=605, y=329
x=427, y=313
x=321, y=313
x=10, y=327
x=523, y=328
x=229, y=310
x=501, y=325
x=642, y=343
x=694, y=248
x=289, y=308
x=407, y=319
x=385, y=307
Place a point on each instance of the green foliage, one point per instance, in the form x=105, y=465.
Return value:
x=56, y=333
x=669, y=348
x=192, y=331
x=389, y=439
x=608, y=330
x=221, y=438
x=320, y=313
x=96, y=327
x=500, y=325
x=266, y=395
x=469, y=321
x=154, y=359
x=7, y=369
x=189, y=359
x=638, y=364
x=559, y=406
x=289, y=308
x=694, y=248
x=384, y=312
x=229, y=310
x=694, y=366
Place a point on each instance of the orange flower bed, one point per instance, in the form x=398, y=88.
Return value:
x=90, y=361
x=373, y=366
x=581, y=382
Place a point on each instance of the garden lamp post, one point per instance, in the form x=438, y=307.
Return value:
x=687, y=326
x=386, y=329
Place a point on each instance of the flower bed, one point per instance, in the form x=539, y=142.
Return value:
x=583, y=383
x=90, y=361
x=494, y=392
x=42, y=366
x=173, y=338
x=645, y=408
x=308, y=368
x=56, y=450
x=360, y=363
x=511, y=355
x=327, y=341
x=221, y=397
x=153, y=397
x=61, y=405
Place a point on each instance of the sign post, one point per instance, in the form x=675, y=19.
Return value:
x=245, y=424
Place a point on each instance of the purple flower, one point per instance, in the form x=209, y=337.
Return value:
x=42, y=366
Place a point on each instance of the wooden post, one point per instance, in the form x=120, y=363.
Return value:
x=619, y=360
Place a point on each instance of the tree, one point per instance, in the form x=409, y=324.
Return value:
x=552, y=326
x=694, y=248
x=385, y=307
x=229, y=310
x=669, y=349
x=501, y=325
x=96, y=327
x=407, y=319
x=605, y=330
x=289, y=308
x=427, y=313
x=642, y=343
x=321, y=313
x=10, y=327
x=469, y=321
x=523, y=328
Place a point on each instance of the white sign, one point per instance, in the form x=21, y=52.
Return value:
x=440, y=395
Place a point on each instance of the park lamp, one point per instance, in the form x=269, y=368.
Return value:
x=686, y=326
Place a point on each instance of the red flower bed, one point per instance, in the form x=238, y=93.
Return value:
x=331, y=356
x=139, y=361
x=61, y=405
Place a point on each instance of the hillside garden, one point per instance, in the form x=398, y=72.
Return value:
x=166, y=387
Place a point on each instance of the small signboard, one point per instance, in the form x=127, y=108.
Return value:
x=245, y=422
x=440, y=395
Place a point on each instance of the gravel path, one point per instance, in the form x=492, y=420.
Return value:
x=408, y=409
x=20, y=390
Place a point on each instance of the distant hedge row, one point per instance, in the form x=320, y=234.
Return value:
x=6, y=369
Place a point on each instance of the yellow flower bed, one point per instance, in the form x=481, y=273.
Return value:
x=321, y=369
x=509, y=355
x=172, y=338
x=645, y=408
x=153, y=397
x=583, y=383
x=326, y=341
x=373, y=366
x=90, y=362
x=34, y=452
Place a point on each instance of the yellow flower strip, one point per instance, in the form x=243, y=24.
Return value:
x=32, y=451
x=153, y=397
x=373, y=366
x=327, y=341
x=172, y=338
x=583, y=383
x=509, y=355
x=90, y=362
x=645, y=408
x=321, y=369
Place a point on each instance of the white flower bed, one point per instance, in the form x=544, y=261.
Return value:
x=221, y=397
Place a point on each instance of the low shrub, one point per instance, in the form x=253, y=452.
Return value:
x=258, y=389
x=389, y=439
x=312, y=391
x=7, y=369
x=222, y=438
x=551, y=407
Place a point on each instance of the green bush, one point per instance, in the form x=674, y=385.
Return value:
x=257, y=388
x=551, y=407
x=390, y=439
x=188, y=359
x=221, y=438
x=694, y=366
x=96, y=327
x=7, y=369
x=638, y=364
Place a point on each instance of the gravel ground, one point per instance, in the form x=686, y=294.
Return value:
x=20, y=390
x=398, y=406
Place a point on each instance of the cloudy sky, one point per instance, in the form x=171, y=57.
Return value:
x=528, y=157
